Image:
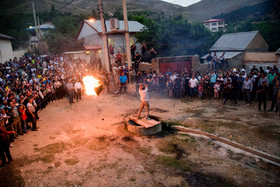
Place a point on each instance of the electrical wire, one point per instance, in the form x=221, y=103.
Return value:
x=66, y=5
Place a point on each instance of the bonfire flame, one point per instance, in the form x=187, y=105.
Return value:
x=91, y=84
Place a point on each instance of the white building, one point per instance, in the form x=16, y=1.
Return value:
x=215, y=25
x=6, y=50
x=90, y=34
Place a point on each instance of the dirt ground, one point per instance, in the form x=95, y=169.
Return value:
x=86, y=144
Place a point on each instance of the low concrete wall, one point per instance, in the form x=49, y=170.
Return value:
x=236, y=62
x=197, y=66
x=260, y=57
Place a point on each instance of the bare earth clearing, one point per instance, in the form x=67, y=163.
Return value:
x=86, y=145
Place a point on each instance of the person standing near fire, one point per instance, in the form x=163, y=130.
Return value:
x=143, y=91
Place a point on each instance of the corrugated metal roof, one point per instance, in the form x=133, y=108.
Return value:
x=46, y=26
x=234, y=41
x=228, y=55
x=133, y=26
x=3, y=36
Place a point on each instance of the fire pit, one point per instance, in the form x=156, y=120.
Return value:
x=142, y=127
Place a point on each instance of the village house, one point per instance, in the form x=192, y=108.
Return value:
x=240, y=49
x=215, y=25
x=90, y=34
x=6, y=50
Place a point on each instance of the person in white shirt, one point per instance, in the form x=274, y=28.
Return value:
x=78, y=90
x=143, y=91
x=173, y=77
x=31, y=110
x=193, y=82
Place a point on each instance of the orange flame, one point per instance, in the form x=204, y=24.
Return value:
x=90, y=83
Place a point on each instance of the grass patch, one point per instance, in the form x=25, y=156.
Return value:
x=49, y=158
x=57, y=164
x=106, y=166
x=172, y=123
x=171, y=145
x=98, y=144
x=71, y=161
x=79, y=141
x=195, y=112
x=54, y=148
x=145, y=150
x=174, y=163
x=213, y=126
x=121, y=172
x=234, y=156
x=132, y=179
x=186, y=100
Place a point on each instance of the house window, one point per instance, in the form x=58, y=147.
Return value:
x=214, y=24
x=214, y=29
x=221, y=23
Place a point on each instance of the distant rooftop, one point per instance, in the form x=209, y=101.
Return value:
x=46, y=26
x=5, y=37
x=213, y=20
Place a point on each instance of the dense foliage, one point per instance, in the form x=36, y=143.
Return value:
x=175, y=36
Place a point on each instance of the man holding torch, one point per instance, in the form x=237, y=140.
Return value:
x=143, y=91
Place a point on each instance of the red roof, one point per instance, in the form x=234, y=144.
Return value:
x=92, y=47
x=213, y=20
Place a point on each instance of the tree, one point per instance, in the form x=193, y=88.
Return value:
x=63, y=37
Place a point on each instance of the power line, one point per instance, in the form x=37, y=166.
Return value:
x=66, y=5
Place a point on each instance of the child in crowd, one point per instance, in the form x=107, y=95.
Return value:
x=216, y=90
x=200, y=90
x=170, y=88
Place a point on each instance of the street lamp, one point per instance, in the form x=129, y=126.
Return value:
x=91, y=20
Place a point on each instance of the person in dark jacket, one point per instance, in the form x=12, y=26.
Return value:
x=5, y=143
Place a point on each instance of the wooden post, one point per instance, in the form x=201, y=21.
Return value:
x=126, y=31
x=104, y=37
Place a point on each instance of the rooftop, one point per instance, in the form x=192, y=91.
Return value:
x=133, y=26
x=234, y=41
x=213, y=20
x=6, y=37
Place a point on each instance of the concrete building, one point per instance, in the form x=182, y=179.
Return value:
x=6, y=50
x=90, y=34
x=235, y=45
x=215, y=25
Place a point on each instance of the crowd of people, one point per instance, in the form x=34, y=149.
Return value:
x=27, y=85
x=236, y=85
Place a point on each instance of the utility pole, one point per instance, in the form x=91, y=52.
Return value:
x=35, y=21
x=104, y=36
x=39, y=29
x=126, y=31
x=39, y=36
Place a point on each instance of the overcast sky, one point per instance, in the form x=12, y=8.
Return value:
x=182, y=2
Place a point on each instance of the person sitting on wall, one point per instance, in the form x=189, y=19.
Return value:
x=137, y=60
x=118, y=58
